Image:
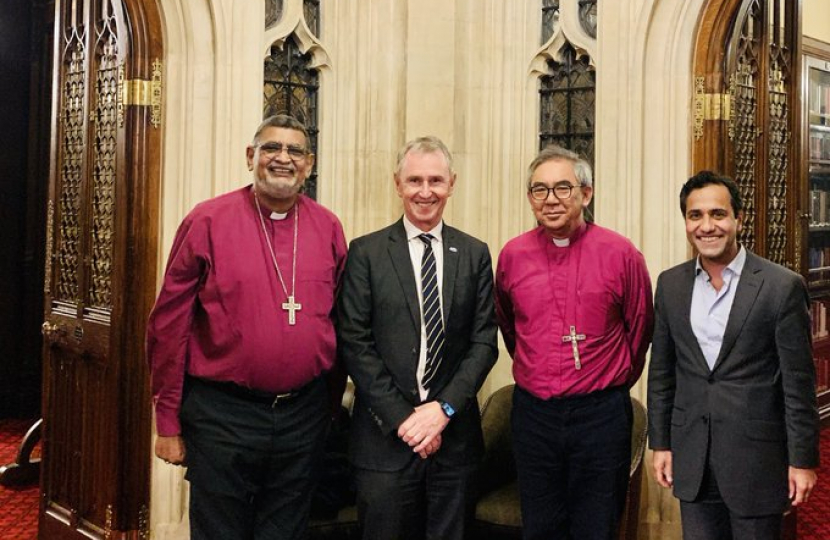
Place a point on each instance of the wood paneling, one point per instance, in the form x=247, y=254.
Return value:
x=100, y=271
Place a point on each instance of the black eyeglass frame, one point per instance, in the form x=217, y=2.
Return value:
x=274, y=149
x=537, y=190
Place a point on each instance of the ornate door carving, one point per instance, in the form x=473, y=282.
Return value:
x=100, y=268
x=747, y=77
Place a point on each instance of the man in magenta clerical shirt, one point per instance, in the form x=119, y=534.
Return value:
x=240, y=341
x=573, y=301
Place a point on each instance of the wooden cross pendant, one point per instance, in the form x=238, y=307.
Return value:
x=292, y=307
x=573, y=337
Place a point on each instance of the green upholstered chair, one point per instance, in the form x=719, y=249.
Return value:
x=497, y=512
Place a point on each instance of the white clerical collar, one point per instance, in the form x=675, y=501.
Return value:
x=277, y=216
x=414, y=232
x=561, y=242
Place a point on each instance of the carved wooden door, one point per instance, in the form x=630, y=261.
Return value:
x=100, y=268
x=747, y=79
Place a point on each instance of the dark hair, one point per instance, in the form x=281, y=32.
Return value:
x=705, y=178
x=552, y=152
x=281, y=121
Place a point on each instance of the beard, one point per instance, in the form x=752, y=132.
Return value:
x=278, y=187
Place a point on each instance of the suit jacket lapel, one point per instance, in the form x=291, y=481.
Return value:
x=449, y=241
x=748, y=288
x=399, y=253
x=684, y=298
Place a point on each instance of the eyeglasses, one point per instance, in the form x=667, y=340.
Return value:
x=272, y=149
x=560, y=191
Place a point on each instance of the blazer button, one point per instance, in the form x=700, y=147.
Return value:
x=711, y=380
x=705, y=419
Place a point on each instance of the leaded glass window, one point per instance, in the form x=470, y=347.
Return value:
x=567, y=97
x=291, y=86
x=550, y=18
x=273, y=12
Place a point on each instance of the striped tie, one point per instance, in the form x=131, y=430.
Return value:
x=433, y=321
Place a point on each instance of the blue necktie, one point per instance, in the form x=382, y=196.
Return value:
x=433, y=321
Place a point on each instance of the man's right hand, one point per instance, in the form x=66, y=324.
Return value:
x=170, y=449
x=662, y=462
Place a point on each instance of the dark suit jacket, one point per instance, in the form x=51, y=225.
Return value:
x=379, y=336
x=756, y=410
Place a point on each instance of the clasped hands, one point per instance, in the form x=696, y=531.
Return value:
x=422, y=429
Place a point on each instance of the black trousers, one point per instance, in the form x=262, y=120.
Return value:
x=572, y=458
x=424, y=500
x=252, y=466
x=708, y=517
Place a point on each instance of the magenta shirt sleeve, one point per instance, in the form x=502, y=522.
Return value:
x=169, y=325
x=638, y=314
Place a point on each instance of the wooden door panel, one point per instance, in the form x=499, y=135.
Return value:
x=96, y=451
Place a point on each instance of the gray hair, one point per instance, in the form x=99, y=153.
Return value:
x=424, y=145
x=281, y=121
x=582, y=169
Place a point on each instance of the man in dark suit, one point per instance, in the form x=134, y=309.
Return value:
x=731, y=389
x=417, y=332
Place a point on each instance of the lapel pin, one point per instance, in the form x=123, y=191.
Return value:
x=453, y=249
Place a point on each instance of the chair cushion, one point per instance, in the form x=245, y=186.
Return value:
x=501, y=506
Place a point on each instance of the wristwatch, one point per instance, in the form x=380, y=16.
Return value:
x=447, y=408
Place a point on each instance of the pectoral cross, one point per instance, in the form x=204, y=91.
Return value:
x=573, y=337
x=292, y=307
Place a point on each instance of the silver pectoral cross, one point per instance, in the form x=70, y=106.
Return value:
x=292, y=307
x=573, y=337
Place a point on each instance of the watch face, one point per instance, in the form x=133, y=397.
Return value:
x=448, y=410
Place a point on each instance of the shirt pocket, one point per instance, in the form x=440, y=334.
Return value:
x=598, y=311
x=317, y=290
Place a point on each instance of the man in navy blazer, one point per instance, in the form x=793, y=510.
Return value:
x=417, y=333
x=733, y=420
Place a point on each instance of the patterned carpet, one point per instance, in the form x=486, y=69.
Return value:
x=19, y=507
x=814, y=518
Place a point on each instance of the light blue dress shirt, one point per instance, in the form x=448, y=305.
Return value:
x=710, y=308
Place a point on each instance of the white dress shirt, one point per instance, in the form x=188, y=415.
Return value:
x=710, y=307
x=416, y=253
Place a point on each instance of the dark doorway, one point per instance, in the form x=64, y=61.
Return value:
x=26, y=29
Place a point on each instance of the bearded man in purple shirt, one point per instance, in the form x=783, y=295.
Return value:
x=573, y=301
x=240, y=343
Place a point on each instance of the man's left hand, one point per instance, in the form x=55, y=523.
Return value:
x=801, y=484
x=423, y=425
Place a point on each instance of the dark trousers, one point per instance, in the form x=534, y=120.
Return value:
x=708, y=518
x=572, y=458
x=250, y=465
x=423, y=500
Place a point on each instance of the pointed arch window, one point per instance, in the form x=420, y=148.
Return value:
x=291, y=85
x=567, y=92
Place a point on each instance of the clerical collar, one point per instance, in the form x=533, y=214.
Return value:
x=413, y=232
x=565, y=242
x=276, y=216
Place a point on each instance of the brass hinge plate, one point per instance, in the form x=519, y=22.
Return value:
x=143, y=93
x=710, y=106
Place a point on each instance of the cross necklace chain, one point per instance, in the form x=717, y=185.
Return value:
x=572, y=337
x=291, y=305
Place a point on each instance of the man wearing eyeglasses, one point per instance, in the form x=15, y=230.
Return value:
x=240, y=343
x=573, y=301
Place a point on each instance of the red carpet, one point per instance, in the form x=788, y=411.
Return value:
x=814, y=517
x=18, y=507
